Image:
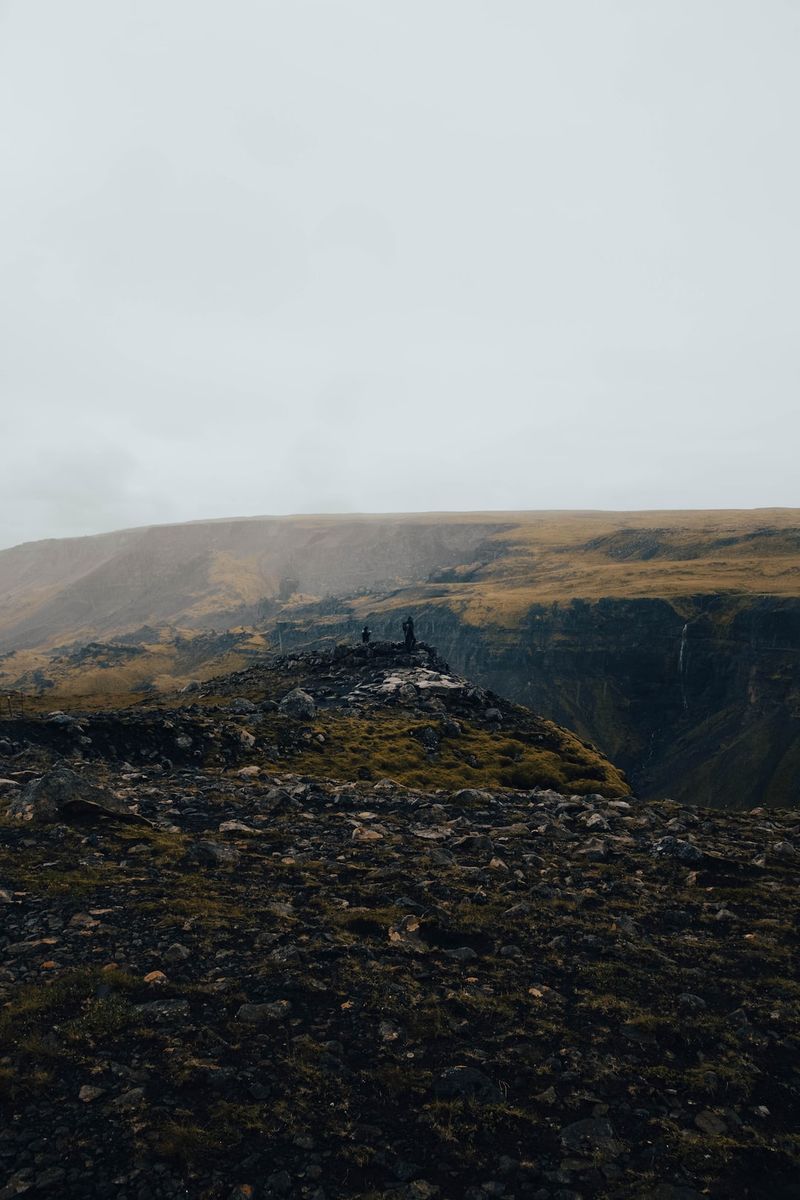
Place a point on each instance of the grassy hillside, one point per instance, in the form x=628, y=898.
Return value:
x=464, y=738
x=101, y=671
x=488, y=567
x=554, y=557
x=669, y=639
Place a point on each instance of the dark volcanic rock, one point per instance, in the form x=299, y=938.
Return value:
x=681, y=851
x=62, y=795
x=465, y=1083
x=299, y=704
x=213, y=854
x=296, y=985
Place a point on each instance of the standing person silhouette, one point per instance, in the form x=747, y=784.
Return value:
x=408, y=634
x=366, y=634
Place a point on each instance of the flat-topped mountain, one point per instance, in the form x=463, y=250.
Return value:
x=490, y=566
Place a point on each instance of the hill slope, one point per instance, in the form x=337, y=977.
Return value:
x=487, y=566
x=669, y=639
x=367, y=711
x=227, y=975
x=208, y=572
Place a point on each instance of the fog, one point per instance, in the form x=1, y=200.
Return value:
x=354, y=255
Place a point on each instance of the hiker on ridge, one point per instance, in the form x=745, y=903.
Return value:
x=408, y=634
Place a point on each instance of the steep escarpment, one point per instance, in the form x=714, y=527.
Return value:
x=697, y=697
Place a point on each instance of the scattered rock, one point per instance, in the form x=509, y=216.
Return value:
x=263, y=1014
x=594, y=1137
x=687, y=1003
x=235, y=827
x=675, y=848
x=213, y=854
x=710, y=1123
x=463, y=1082
x=176, y=953
x=461, y=954
x=299, y=704
x=783, y=851
x=453, y=968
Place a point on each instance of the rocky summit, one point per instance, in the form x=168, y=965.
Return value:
x=345, y=924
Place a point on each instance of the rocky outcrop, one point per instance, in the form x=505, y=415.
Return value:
x=299, y=704
x=346, y=702
x=697, y=698
x=62, y=795
x=328, y=969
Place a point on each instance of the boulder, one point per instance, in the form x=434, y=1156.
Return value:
x=475, y=843
x=177, y=953
x=677, y=849
x=62, y=795
x=299, y=704
x=261, y=1014
x=783, y=851
x=593, y=1137
x=213, y=854
x=471, y=796
x=465, y=1082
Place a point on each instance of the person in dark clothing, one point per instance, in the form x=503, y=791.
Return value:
x=366, y=634
x=408, y=634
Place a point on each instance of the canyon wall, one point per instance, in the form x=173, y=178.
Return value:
x=697, y=698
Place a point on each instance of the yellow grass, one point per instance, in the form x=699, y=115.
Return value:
x=555, y=557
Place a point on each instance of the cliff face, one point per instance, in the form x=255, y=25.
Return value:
x=679, y=661
x=698, y=699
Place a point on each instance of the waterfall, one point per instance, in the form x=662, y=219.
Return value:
x=682, y=666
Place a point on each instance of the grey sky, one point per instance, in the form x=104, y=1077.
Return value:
x=331, y=255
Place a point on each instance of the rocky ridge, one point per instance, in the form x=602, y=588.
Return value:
x=225, y=976
x=351, y=710
x=669, y=639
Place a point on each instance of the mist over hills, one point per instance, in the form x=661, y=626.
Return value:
x=668, y=638
x=200, y=572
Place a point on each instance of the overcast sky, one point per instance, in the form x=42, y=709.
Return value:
x=335, y=255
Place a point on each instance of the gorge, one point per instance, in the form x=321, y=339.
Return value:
x=670, y=640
